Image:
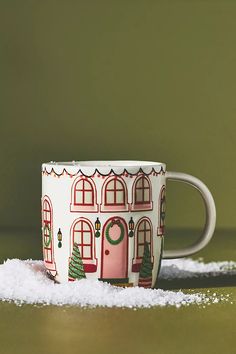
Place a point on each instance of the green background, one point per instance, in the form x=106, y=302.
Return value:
x=119, y=79
x=125, y=79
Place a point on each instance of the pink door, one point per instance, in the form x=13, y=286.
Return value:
x=114, y=249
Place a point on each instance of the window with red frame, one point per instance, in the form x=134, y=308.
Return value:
x=83, y=236
x=143, y=235
x=83, y=193
x=142, y=191
x=162, y=207
x=47, y=229
x=114, y=192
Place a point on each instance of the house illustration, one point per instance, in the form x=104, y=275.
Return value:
x=111, y=217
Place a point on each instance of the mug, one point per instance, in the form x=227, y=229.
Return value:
x=105, y=220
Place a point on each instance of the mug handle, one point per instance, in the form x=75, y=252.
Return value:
x=210, y=215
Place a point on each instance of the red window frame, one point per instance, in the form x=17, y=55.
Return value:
x=145, y=229
x=162, y=203
x=115, y=190
x=142, y=188
x=47, y=210
x=83, y=190
x=81, y=244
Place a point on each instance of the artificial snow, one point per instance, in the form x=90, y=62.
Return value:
x=183, y=268
x=26, y=282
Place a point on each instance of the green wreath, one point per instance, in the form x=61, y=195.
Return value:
x=122, y=233
x=46, y=227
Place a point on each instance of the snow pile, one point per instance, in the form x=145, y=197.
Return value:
x=26, y=282
x=183, y=268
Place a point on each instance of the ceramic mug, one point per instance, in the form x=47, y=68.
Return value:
x=105, y=220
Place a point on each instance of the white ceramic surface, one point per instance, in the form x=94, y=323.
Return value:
x=77, y=194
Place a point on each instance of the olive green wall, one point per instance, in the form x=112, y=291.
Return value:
x=152, y=80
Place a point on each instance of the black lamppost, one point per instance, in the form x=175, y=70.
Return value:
x=131, y=227
x=97, y=227
x=59, y=238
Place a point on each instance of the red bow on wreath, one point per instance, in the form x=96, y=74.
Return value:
x=115, y=222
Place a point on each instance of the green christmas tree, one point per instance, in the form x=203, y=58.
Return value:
x=145, y=274
x=76, y=268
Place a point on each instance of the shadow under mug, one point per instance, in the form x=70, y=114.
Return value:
x=105, y=220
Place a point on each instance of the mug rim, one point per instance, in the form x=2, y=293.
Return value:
x=105, y=163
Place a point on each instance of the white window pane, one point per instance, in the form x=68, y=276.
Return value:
x=87, y=238
x=146, y=195
x=139, y=195
x=87, y=185
x=141, y=237
x=145, y=182
x=119, y=185
x=110, y=197
x=119, y=197
x=148, y=236
x=79, y=185
x=46, y=215
x=77, y=237
x=77, y=226
x=78, y=197
x=86, y=226
x=46, y=255
x=88, y=197
x=140, y=250
x=163, y=206
x=141, y=226
x=86, y=252
x=111, y=184
x=49, y=256
x=46, y=205
x=139, y=183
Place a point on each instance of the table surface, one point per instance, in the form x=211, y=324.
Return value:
x=167, y=330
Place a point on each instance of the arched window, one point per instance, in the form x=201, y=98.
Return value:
x=142, y=194
x=114, y=195
x=83, y=236
x=162, y=211
x=47, y=234
x=82, y=233
x=83, y=195
x=143, y=234
x=47, y=231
